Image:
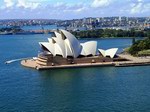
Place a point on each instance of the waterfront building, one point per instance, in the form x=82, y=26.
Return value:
x=63, y=48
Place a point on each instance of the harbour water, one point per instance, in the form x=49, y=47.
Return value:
x=100, y=89
x=39, y=27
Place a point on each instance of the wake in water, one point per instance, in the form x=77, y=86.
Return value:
x=14, y=60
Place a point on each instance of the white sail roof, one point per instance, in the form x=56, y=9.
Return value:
x=60, y=44
x=57, y=50
x=69, y=51
x=73, y=43
x=66, y=44
x=48, y=46
x=109, y=52
x=89, y=48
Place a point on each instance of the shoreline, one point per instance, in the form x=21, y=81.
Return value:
x=133, y=61
x=35, y=33
x=30, y=32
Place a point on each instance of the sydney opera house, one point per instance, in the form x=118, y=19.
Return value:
x=63, y=48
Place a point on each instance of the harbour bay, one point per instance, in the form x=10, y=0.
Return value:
x=105, y=89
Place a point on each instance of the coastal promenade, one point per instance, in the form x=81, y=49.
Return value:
x=135, y=59
x=132, y=61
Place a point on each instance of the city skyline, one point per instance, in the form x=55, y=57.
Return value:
x=64, y=9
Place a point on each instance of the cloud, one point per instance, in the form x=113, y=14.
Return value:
x=9, y=3
x=101, y=3
x=80, y=9
x=27, y=4
x=136, y=8
x=32, y=4
x=140, y=7
x=37, y=0
x=62, y=7
x=72, y=9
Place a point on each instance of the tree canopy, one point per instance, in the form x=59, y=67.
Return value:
x=112, y=33
x=140, y=47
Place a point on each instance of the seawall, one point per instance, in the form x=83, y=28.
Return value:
x=133, y=61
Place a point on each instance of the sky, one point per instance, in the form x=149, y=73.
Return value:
x=72, y=9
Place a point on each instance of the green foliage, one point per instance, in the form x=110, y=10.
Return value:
x=139, y=45
x=111, y=33
x=12, y=29
x=148, y=33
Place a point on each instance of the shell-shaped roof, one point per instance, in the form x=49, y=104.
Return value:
x=89, y=48
x=66, y=44
x=109, y=52
x=73, y=43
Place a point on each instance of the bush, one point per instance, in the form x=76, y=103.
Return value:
x=140, y=45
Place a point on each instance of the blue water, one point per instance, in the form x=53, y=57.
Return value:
x=100, y=89
x=39, y=27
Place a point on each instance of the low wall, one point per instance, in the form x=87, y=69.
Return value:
x=57, y=60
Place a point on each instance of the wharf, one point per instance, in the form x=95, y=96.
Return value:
x=133, y=61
